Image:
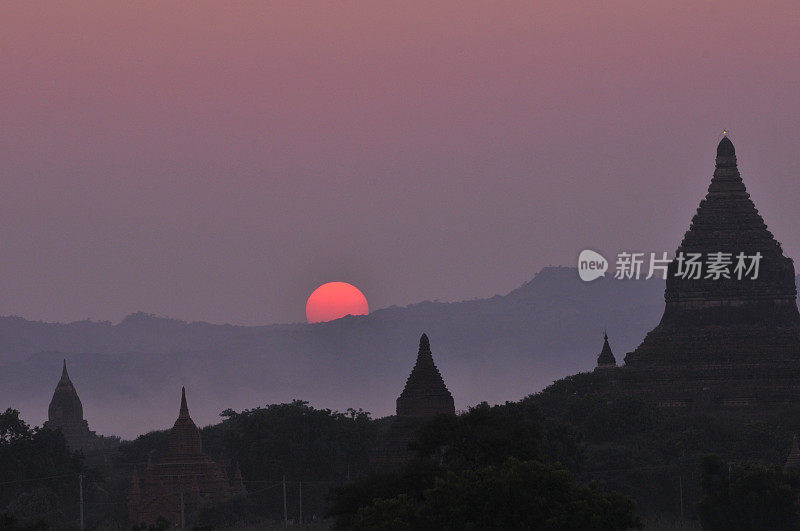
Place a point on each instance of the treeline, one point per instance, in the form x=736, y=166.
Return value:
x=484, y=469
x=596, y=456
x=557, y=459
x=38, y=474
x=657, y=456
x=313, y=449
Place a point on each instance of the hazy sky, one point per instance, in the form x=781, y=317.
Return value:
x=218, y=161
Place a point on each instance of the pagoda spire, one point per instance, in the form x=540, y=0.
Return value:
x=606, y=358
x=65, y=406
x=726, y=179
x=184, y=438
x=424, y=355
x=184, y=411
x=725, y=147
x=425, y=392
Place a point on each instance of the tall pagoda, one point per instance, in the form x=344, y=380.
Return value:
x=727, y=341
x=726, y=320
x=424, y=396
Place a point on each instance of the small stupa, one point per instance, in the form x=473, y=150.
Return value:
x=606, y=359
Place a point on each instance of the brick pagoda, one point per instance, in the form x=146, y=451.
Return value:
x=726, y=344
x=182, y=481
x=65, y=413
x=425, y=395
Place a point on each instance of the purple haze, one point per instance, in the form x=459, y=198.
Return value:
x=219, y=163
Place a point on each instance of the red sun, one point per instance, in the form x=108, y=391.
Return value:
x=334, y=300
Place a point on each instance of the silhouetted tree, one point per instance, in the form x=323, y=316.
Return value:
x=483, y=469
x=38, y=471
x=484, y=435
x=747, y=496
x=515, y=495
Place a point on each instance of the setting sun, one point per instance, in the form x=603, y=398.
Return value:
x=334, y=300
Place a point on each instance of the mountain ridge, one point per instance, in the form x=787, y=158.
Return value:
x=495, y=349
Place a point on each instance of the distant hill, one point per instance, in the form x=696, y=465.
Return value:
x=502, y=348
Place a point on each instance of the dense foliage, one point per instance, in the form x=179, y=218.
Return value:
x=38, y=474
x=515, y=495
x=311, y=448
x=483, y=469
x=483, y=435
x=294, y=440
x=747, y=496
x=629, y=445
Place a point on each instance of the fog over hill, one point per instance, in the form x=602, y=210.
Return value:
x=129, y=375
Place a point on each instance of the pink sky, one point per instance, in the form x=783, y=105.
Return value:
x=212, y=161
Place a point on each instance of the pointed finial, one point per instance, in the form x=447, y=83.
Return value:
x=725, y=147
x=184, y=408
x=424, y=343
x=64, y=374
x=606, y=357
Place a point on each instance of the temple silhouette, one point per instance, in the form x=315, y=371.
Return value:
x=722, y=343
x=606, y=359
x=424, y=396
x=182, y=481
x=727, y=320
x=65, y=414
